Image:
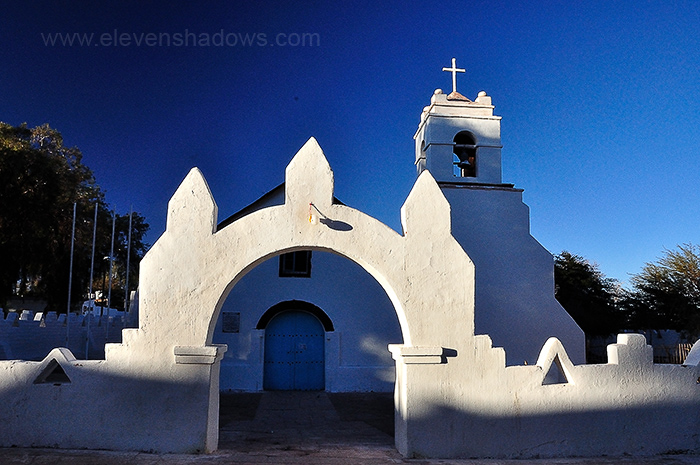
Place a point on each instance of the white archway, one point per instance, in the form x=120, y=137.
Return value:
x=425, y=272
x=188, y=273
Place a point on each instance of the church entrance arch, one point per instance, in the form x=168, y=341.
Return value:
x=194, y=265
x=358, y=318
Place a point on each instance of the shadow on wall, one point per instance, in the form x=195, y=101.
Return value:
x=336, y=225
x=76, y=404
x=630, y=431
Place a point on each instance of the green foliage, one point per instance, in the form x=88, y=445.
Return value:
x=666, y=293
x=587, y=295
x=40, y=180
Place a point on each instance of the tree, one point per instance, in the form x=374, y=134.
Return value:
x=587, y=294
x=40, y=180
x=666, y=293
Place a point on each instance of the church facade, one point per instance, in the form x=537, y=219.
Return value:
x=458, y=141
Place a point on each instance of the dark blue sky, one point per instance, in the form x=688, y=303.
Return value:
x=599, y=103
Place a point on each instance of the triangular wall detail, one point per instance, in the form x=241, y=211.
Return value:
x=53, y=374
x=555, y=374
x=555, y=363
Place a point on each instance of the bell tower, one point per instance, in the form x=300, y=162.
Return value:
x=459, y=141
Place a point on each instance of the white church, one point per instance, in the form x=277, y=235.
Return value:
x=322, y=322
x=455, y=314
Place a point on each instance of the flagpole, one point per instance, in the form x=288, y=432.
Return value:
x=92, y=274
x=128, y=260
x=70, y=275
x=111, y=266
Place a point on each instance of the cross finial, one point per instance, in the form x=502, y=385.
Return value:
x=454, y=70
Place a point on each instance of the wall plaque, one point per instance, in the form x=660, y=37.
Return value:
x=231, y=322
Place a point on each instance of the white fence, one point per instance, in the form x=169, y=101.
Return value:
x=27, y=336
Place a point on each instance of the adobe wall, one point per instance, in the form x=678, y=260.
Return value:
x=628, y=406
x=515, y=303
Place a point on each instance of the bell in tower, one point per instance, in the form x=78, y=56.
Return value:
x=465, y=155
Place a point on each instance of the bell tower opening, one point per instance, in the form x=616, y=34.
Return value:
x=464, y=159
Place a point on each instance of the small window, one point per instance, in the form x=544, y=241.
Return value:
x=464, y=155
x=295, y=264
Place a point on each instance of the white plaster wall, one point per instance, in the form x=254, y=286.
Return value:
x=188, y=273
x=109, y=404
x=514, y=302
x=627, y=406
x=364, y=320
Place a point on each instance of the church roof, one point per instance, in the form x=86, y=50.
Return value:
x=270, y=198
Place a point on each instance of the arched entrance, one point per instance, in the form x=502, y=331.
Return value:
x=194, y=265
x=294, y=352
x=357, y=315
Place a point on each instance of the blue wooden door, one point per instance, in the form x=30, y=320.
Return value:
x=294, y=353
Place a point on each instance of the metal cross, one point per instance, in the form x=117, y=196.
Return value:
x=454, y=70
